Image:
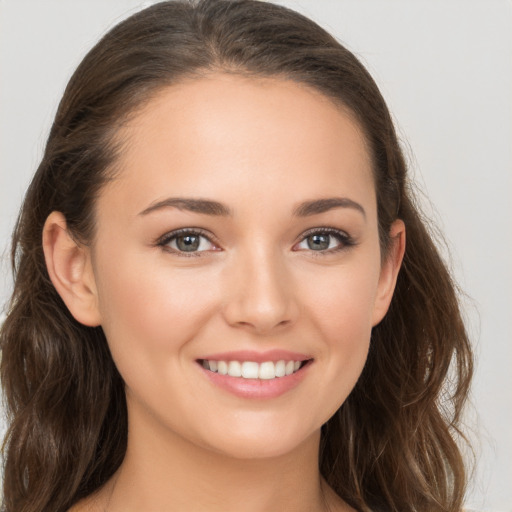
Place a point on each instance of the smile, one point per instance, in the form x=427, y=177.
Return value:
x=266, y=370
x=251, y=374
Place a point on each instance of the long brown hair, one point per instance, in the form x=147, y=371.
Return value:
x=392, y=445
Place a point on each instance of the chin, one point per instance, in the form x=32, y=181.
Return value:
x=257, y=443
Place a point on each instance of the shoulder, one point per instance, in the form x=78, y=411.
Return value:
x=95, y=502
x=79, y=507
x=85, y=505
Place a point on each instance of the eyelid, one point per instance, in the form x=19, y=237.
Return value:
x=343, y=237
x=345, y=240
x=165, y=239
x=324, y=229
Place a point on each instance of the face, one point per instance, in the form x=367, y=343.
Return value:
x=240, y=236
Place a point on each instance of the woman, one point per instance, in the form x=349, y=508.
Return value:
x=225, y=297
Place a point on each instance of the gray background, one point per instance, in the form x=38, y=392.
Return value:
x=445, y=68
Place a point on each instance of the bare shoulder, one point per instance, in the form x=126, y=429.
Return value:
x=80, y=507
x=96, y=502
x=340, y=506
x=90, y=504
x=333, y=502
x=77, y=508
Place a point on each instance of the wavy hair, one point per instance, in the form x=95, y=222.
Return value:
x=393, y=445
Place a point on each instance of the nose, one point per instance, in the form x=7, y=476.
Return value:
x=261, y=293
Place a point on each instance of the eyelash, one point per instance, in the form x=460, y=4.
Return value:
x=166, y=239
x=345, y=240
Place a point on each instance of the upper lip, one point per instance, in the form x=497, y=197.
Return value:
x=257, y=357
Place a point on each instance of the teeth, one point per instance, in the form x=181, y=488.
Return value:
x=281, y=368
x=267, y=371
x=234, y=369
x=251, y=370
x=222, y=367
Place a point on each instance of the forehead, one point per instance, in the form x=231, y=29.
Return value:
x=229, y=133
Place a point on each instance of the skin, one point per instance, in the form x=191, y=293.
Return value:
x=260, y=147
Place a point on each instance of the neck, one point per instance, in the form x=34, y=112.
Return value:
x=165, y=472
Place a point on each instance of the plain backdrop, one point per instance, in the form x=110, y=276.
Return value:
x=445, y=68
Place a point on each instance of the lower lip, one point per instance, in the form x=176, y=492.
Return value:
x=257, y=388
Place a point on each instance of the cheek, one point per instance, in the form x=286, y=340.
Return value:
x=341, y=309
x=347, y=330
x=149, y=308
x=342, y=301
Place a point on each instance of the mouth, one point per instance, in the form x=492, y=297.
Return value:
x=264, y=371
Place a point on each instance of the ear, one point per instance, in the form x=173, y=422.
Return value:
x=389, y=271
x=70, y=270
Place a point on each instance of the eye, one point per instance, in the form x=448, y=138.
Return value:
x=187, y=241
x=324, y=240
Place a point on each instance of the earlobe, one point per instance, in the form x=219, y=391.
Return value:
x=389, y=270
x=70, y=270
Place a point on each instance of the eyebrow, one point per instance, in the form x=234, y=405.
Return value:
x=204, y=206
x=317, y=206
x=209, y=207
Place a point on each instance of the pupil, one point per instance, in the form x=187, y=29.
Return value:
x=187, y=243
x=318, y=242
